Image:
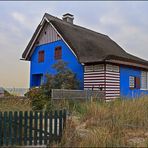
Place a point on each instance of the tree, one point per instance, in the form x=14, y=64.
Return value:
x=63, y=79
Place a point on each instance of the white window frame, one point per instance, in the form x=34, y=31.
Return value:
x=146, y=74
x=88, y=68
x=113, y=68
x=131, y=82
x=99, y=67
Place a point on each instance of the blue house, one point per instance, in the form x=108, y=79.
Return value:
x=97, y=61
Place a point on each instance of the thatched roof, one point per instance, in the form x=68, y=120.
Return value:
x=88, y=45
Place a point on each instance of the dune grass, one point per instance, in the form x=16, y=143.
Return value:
x=113, y=124
x=15, y=104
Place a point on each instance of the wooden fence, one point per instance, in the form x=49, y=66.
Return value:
x=77, y=94
x=31, y=128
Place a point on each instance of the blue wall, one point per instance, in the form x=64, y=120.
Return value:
x=125, y=91
x=46, y=66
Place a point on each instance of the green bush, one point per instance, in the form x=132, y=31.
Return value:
x=63, y=79
x=39, y=98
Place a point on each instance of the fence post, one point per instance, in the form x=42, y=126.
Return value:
x=25, y=127
x=50, y=129
x=64, y=118
x=20, y=127
x=10, y=128
x=45, y=128
x=15, y=127
x=55, y=124
x=5, y=128
x=1, y=137
x=30, y=128
x=60, y=124
x=35, y=127
x=40, y=132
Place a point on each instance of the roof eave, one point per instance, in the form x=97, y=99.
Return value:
x=134, y=64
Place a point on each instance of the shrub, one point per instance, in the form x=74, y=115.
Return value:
x=38, y=97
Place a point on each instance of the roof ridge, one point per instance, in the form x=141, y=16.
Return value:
x=74, y=25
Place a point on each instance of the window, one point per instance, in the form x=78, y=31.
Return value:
x=144, y=80
x=99, y=67
x=41, y=56
x=137, y=82
x=113, y=68
x=88, y=68
x=134, y=82
x=58, y=53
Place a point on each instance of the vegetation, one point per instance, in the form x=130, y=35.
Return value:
x=113, y=124
x=15, y=104
x=64, y=78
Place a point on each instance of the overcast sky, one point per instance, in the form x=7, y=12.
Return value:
x=124, y=22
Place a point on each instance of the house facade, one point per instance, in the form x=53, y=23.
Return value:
x=97, y=61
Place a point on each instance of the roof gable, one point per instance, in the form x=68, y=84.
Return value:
x=89, y=46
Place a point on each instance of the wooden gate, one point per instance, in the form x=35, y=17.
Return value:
x=31, y=128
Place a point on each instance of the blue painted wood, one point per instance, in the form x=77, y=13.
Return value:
x=46, y=66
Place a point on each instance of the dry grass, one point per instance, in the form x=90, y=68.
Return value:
x=112, y=124
x=14, y=104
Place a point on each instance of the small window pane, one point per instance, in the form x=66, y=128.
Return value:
x=88, y=68
x=132, y=82
x=144, y=80
x=58, y=52
x=99, y=67
x=41, y=56
x=109, y=67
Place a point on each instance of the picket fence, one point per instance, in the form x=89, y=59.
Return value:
x=31, y=128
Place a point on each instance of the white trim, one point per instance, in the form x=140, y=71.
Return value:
x=62, y=39
x=41, y=23
x=35, y=38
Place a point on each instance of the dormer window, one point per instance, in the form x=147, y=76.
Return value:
x=58, y=53
x=41, y=56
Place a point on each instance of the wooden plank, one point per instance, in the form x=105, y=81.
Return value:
x=45, y=127
x=60, y=123
x=1, y=129
x=20, y=128
x=64, y=118
x=35, y=127
x=5, y=128
x=40, y=128
x=25, y=127
x=15, y=128
x=10, y=128
x=55, y=125
x=30, y=127
x=50, y=124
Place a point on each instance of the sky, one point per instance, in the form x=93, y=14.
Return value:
x=124, y=22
